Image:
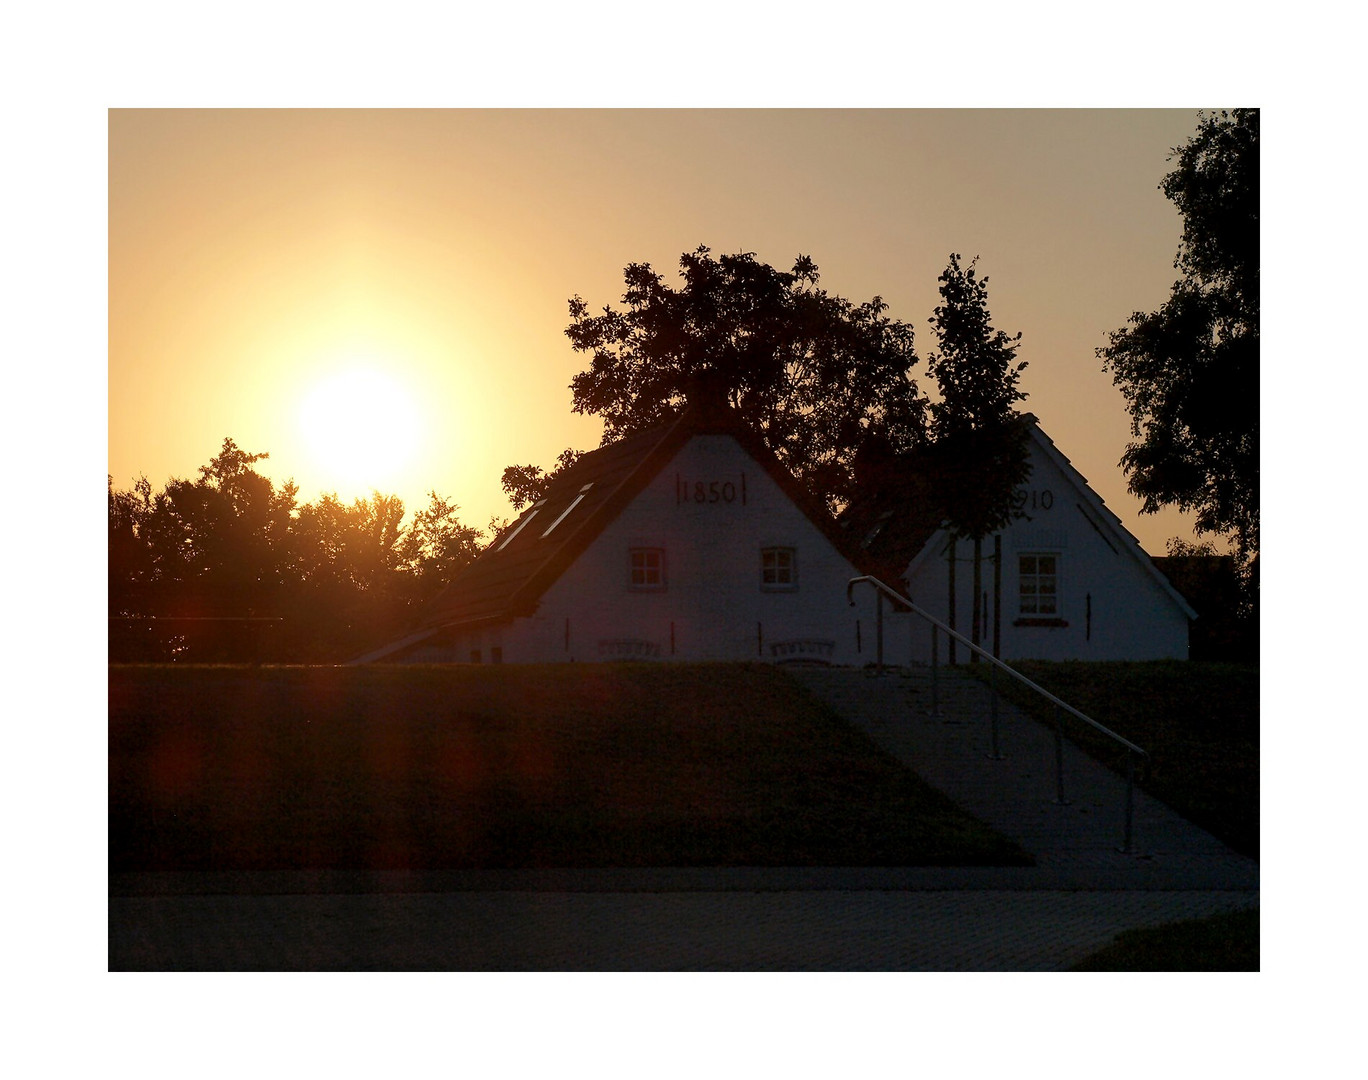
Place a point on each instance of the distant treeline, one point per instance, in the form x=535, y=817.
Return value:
x=228, y=567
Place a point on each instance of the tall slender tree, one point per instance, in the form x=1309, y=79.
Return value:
x=979, y=440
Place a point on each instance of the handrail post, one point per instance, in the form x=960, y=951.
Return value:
x=996, y=755
x=935, y=671
x=1129, y=847
x=1059, y=758
x=878, y=630
x=1060, y=707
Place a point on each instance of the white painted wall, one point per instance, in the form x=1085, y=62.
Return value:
x=1132, y=615
x=711, y=510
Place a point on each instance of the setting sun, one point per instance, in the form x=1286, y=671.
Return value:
x=388, y=288
x=361, y=427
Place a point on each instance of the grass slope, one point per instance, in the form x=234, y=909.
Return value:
x=508, y=766
x=1198, y=721
x=1228, y=942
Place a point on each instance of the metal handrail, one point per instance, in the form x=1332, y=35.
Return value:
x=902, y=601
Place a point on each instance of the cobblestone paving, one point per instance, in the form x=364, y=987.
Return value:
x=550, y=931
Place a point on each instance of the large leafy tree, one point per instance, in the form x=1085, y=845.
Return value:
x=979, y=451
x=352, y=546
x=216, y=543
x=1190, y=371
x=814, y=374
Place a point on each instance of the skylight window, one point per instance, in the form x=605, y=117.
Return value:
x=522, y=524
x=566, y=512
x=884, y=519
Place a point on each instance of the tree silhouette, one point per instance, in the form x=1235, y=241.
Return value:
x=814, y=374
x=130, y=560
x=229, y=549
x=351, y=546
x=435, y=546
x=1190, y=371
x=525, y=484
x=979, y=452
x=214, y=541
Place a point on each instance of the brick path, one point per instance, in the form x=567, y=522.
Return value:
x=638, y=931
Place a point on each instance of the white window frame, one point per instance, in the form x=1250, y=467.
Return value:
x=778, y=569
x=639, y=561
x=1036, y=577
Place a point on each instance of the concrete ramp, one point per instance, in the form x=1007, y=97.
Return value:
x=1076, y=844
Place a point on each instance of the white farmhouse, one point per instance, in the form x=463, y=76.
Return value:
x=1064, y=581
x=685, y=542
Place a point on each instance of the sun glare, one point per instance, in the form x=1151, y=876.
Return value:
x=361, y=426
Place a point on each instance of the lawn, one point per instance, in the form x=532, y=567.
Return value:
x=1228, y=942
x=1198, y=721
x=507, y=766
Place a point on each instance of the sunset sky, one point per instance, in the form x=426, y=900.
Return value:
x=407, y=272
x=252, y=255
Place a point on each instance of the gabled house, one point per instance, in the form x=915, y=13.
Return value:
x=688, y=541
x=1064, y=581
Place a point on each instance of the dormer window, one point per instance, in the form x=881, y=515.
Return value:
x=883, y=520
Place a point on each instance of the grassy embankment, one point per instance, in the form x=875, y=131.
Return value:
x=505, y=766
x=1199, y=722
x=1228, y=942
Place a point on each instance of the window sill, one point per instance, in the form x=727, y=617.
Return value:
x=1032, y=621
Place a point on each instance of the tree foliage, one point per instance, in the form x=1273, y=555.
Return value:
x=814, y=374
x=1190, y=371
x=436, y=545
x=979, y=447
x=215, y=542
x=230, y=545
x=525, y=484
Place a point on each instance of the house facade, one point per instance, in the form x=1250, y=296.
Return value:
x=691, y=542
x=1064, y=581
x=687, y=542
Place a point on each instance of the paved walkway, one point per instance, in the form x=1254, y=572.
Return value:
x=1079, y=896
x=672, y=931
x=1075, y=844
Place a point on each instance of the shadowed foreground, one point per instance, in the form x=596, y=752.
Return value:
x=824, y=930
x=220, y=768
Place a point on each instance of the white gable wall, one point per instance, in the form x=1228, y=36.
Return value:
x=1110, y=606
x=710, y=512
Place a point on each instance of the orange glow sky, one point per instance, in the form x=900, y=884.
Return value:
x=256, y=258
